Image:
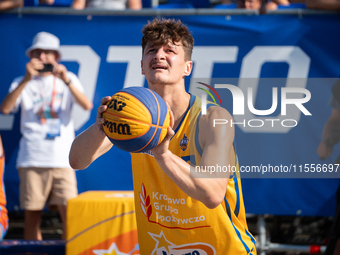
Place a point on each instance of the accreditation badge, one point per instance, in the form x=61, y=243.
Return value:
x=53, y=128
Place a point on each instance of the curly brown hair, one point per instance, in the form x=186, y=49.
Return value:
x=161, y=32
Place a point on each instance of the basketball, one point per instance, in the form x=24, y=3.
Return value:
x=136, y=119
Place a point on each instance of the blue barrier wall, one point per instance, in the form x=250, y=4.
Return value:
x=105, y=52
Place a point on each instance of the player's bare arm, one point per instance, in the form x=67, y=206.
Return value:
x=216, y=143
x=92, y=143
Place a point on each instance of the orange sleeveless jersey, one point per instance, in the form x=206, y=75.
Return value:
x=3, y=210
x=171, y=222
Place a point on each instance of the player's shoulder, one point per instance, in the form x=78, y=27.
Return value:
x=217, y=122
x=217, y=112
x=217, y=126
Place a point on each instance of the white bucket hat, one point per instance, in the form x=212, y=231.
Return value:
x=44, y=41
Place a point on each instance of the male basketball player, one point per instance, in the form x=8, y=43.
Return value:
x=177, y=211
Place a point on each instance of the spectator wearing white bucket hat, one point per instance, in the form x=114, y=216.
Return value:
x=46, y=94
x=44, y=41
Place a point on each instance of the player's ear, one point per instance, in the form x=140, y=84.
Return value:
x=188, y=68
x=141, y=66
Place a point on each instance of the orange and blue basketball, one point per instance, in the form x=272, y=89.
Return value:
x=136, y=119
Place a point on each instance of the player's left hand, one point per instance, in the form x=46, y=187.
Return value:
x=163, y=147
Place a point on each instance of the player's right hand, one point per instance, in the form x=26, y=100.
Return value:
x=101, y=109
x=32, y=68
